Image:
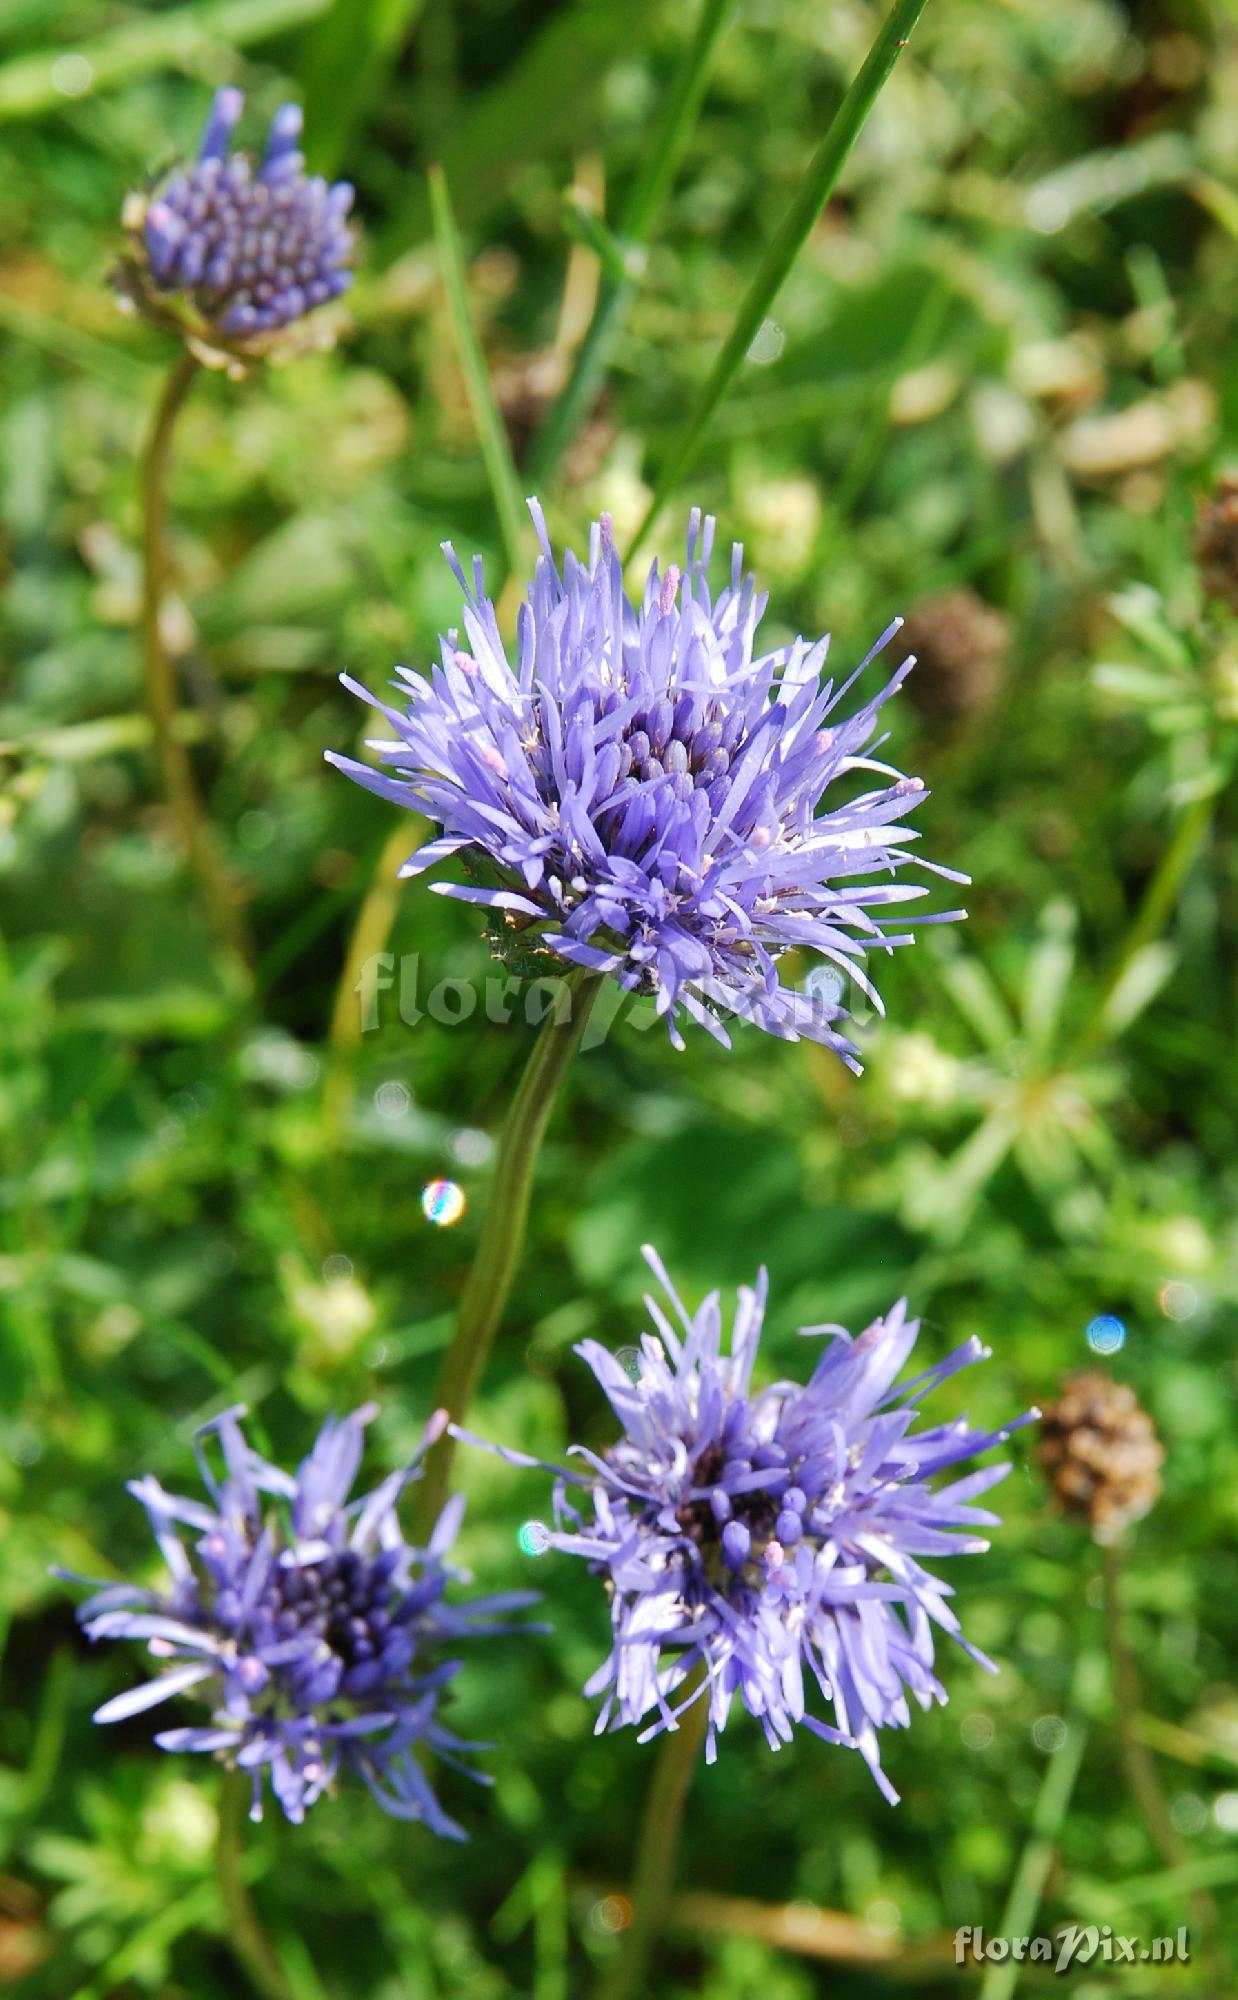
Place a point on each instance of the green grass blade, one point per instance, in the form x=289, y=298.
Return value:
x=544, y=102
x=491, y=435
x=636, y=224
x=185, y=38
x=1048, y=1818
x=789, y=239
x=349, y=58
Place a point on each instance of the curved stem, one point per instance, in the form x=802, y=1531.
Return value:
x=371, y=930
x=635, y=226
x=246, y=1938
x=1138, y=1762
x=497, y=1256
x=653, y=1877
x=1157, y=904
x=1048, y=1819
x=784, y=247
x=175, y=772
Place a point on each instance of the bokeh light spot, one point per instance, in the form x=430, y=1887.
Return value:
x=767, y=343
x=1048, y=1732
x=470, y=1146
x=977, y=1731
x=1106, y=1334
x=1189, y=1813
x=824, y=984
x=72, y=75
x=442, y=1202
x=611, y=1914
x=1178, y=1300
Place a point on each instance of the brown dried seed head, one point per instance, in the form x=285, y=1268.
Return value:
x=960, y=644
x=1216, y=541
x=1101, y=1453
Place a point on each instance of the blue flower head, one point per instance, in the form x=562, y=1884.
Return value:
x=235, y=252
x=642, y=795
x=763, y=1542
x=317, y=1635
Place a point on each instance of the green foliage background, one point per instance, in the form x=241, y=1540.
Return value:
x=1004, y=361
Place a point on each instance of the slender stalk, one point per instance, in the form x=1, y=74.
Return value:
x=653, y=1879
x=1159, y=898
x=788, y=240
x=246, y=1938
x=487, y=419
x=1048, y=1818
x=1138, y=1762
x=635, y=225
x=175, y=771
x=370, y=932
x=497, y=1256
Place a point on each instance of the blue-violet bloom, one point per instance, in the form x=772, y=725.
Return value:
x=313, y=1628
x=642, y=795
x=755, y=1541
x=236, y=251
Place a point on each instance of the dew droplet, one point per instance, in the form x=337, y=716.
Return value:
x=442, y=1203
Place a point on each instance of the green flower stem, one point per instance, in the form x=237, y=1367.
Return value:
x=487, y=417
x=1159, y=899
x=497, y=1257
x=654, y=1877
x=246, y=1938
x=1137, y=1760
x=1048, y=1818
x=635, y=226
x=788, y=240
x=175, y=771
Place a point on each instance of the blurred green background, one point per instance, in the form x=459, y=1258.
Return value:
x=992, y=395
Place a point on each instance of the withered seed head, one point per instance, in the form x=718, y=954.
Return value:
x=1216, y=541
x=960, y=644
x=1101, y=1453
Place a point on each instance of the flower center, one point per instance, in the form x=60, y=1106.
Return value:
x=338, y=1627
x=345, y=1600
x=682, y=745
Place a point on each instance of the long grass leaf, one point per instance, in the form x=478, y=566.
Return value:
x=491, y=435
x=184, y=38
x=788, y=240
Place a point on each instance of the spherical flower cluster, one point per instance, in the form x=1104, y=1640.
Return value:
x=756, y=1542
x=316, y=1636
x=643, y=796
x=1101, y=1452
x=243, y=250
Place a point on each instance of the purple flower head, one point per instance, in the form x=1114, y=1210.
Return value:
x=317, y=1635
x=754, y=1542
x=244, y=248
x=641, y=795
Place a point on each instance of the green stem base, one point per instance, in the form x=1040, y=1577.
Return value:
x=497, y=1256
x=176, y=775
x=247, y=1940
x=653, y=1878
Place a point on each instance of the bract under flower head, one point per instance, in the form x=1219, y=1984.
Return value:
x=755, y=1542
x=233, y=252
x=642, y=795
x=317, y=1635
